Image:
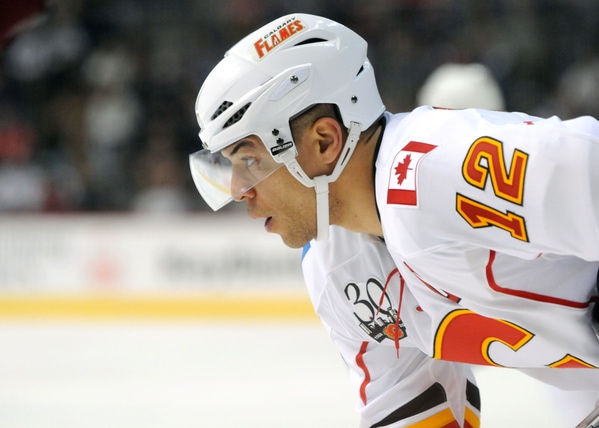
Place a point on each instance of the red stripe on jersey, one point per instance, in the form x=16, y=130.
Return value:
x=416, y=146
x=362, y=365
x=527, y=294
x=401, y=197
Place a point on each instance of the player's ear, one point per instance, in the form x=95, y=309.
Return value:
x=327, y=133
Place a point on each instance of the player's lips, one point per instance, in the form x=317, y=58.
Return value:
x=268, y=224
x=267, y=220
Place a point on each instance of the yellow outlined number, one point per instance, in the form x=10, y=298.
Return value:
x=507, y=183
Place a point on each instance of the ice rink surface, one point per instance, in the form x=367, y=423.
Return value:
x=250, y=374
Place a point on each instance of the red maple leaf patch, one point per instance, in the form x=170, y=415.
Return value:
x=401, y=170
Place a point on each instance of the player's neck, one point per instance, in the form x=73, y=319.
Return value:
x=355, y=189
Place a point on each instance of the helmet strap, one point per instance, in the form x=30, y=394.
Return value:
x=321, y=187
x=348, y=149
x=321, y=183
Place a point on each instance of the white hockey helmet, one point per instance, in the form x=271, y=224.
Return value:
x=268, y=78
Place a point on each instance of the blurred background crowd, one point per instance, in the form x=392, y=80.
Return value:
x=97, y=100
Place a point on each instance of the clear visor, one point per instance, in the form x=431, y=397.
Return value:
x=225, y=176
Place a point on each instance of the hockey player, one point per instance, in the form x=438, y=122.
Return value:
x=355, y=289
x=483, y=213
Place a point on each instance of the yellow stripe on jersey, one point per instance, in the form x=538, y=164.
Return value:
x=472, y=419
x=443, y=419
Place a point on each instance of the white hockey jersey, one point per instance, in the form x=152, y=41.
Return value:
x=498, y=213
x=492, y=223
x=356, y=291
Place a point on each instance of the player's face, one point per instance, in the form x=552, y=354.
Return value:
x=288, y=207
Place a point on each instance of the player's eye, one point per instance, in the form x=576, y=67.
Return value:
x=250, y=162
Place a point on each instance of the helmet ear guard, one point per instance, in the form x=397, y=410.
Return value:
x=276, y=73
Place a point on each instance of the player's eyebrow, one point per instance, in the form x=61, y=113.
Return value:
x=238, y=146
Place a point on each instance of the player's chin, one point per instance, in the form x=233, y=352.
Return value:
x=294, y=244
x=294, y=240
x=294, y=232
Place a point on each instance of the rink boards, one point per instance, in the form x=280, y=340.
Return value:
x=207, y=306
x=186, y=266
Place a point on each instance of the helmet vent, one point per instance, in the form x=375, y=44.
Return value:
x=237, y=116
x=310, y=41
x=225, y=105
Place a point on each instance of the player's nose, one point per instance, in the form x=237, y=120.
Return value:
x=248, y=194
x=240, y=189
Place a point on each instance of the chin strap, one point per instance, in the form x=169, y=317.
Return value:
x=321, y=183
x=321, y=187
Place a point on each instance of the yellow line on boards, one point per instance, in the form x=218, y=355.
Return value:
x=187, y=306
